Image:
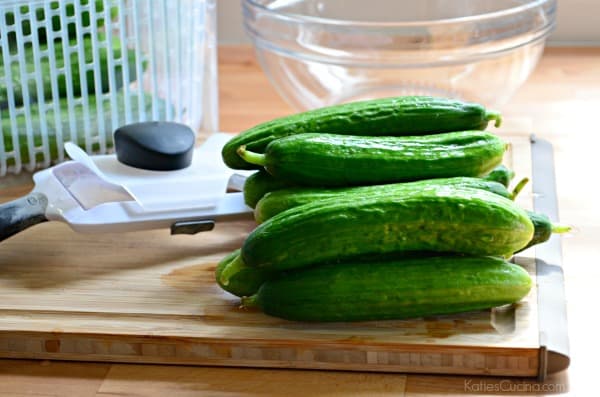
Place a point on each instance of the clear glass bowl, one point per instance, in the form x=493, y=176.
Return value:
x=318, y=52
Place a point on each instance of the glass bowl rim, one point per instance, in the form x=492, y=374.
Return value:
x=300, y=18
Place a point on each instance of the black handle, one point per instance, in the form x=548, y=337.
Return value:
x=22, y=213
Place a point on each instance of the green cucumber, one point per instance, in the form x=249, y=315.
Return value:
x=55, y=120
x=431, y=218
x=410, y=288
x=260, y=183
x=101, y=58
x=281, y=200
x=397, y=116
x=348, y=160
x=500, y=174
x=235, y=277
x=243, y=280
x=277, y=201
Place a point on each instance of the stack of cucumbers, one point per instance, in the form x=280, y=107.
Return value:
x=384, y=209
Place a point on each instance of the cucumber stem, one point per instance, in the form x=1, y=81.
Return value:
x=519, y=187
x=560, y=228
x=233, y=267
x=250, y=301
x=493, y=115
x=251, y=157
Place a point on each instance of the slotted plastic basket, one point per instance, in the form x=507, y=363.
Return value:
x=75, y=70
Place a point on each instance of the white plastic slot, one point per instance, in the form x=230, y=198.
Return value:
x=173, y=62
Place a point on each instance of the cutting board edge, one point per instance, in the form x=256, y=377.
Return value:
x=169, y=339
x=552, y=313
x=398, y=358
x=457, y=360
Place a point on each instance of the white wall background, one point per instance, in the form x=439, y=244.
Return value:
x=578, y=22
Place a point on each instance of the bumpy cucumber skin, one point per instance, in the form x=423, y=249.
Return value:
x=259, y=184
x=281, y=200
x=433, y=218
x=347, y=160
x=409, y=115
x=500, y=174
x=245, y=281
x=361, y=291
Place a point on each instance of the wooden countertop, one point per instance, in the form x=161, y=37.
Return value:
x=557, y=103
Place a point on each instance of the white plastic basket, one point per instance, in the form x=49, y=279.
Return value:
x=75, y=70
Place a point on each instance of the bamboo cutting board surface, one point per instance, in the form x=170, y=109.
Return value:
x=150, y=297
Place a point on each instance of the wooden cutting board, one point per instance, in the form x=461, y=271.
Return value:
x=149, y=297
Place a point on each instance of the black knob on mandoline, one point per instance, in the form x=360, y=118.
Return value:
x=155, y=145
